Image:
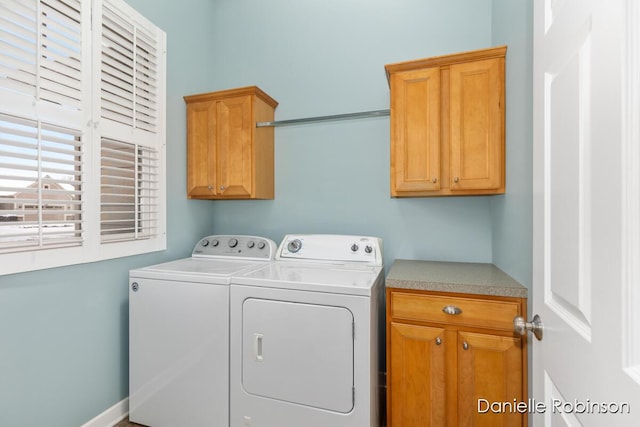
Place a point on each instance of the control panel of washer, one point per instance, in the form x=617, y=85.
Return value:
x=331, y=248
x=235, y=246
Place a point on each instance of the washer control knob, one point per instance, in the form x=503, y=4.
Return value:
x=205, y=242
x=294, y=246
x=368, y=249
x=233, y=242
x=354, y=247
x=261, y=245
x=250, y=244
x=215, y=242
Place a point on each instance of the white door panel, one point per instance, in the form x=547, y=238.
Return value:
x=178, y=353
x=578, y=367
x=299, y=353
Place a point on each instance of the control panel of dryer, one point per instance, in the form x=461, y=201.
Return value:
x=331, y=248
x=235, y=246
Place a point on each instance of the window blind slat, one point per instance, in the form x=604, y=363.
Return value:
x=127, y=203
x=40, y=185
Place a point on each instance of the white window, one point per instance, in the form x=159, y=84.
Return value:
x=82, y=136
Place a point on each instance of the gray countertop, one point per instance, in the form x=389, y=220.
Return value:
x=460, y=277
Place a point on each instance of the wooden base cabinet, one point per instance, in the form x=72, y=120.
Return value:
x=450, y=356
x=227, y=156
x=447, y=124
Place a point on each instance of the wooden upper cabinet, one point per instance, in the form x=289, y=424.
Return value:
x=415, y=150
x=227, y=156
x=447, y=124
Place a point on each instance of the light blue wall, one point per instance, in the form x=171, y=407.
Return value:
x=64, y=331
x=512, y=237
x=327, y=57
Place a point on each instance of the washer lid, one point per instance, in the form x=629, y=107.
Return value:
x=203, y=270
x=316, y=277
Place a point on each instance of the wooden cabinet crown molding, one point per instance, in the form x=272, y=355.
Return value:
x=231, y=93
x=445, y=60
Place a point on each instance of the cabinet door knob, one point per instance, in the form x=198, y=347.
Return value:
x=210, y=187
x=222, y=188
x=452, y=309
x=438, y=341
x=434, y=180
x=465, y=345
x=456, y=179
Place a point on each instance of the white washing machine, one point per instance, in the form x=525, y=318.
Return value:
x=304, y=335
x=179, y=332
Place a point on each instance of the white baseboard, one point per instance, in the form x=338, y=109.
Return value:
x=111, y=416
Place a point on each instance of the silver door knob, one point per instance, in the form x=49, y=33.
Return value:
x=521, y=326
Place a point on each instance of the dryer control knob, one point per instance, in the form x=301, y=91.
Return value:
x=215, y=243
x=205, y=243
x=368, y=249
x=354, y=248
x=250, y=244
x=233, y=243
x=294, y=246
x=261, y=245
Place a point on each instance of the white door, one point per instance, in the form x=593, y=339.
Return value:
x=298, y=353
x=586, y=284
x=178, y=353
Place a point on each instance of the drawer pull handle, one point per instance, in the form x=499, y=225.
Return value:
x=452, y=309
x=465, y=345
x=438, y=341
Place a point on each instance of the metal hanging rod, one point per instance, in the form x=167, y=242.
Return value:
x=348, y=116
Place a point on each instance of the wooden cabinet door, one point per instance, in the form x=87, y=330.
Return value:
x=477, y=125
x=415, y=131
x=234, y=147
x=417, y=376
x=490, y=369
x=201, y=152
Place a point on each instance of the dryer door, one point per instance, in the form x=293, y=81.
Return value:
x=298, y=353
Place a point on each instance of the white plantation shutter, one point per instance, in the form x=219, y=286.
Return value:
x=130, y=66
x=60, y=46
x=146, y=88
x=40, y=185
x=117, y=73
x=82, y=133
x=128, y=192
x=18, y=34
x=41, y=45
x=129, y=71
x=41, y=107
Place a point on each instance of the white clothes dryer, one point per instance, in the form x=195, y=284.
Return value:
x=304, y=335
x=179, y=332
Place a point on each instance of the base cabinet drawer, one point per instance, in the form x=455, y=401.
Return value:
x=464, y=311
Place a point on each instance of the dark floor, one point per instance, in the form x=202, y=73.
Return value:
x=126, y=423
